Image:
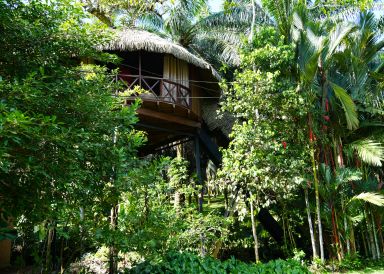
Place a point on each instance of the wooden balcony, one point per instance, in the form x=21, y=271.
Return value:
x=159, y=90
x=166, y=109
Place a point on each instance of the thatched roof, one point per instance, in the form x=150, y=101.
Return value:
x=133, y=40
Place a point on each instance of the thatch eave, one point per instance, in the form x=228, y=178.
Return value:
x=135, y=40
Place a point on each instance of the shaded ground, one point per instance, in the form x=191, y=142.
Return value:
x=15, y=270
x=216, y=203
x=371, y=270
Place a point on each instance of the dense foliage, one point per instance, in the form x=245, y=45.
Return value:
x=64, y=139
x=303, y=121
x=190, y=263
x=301, y=177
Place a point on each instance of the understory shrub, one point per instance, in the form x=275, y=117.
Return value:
x=176, y=262
x=351, y=262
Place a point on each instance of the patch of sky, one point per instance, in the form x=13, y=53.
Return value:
x=216, y=5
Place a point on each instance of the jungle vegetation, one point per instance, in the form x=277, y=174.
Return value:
x=304, y=81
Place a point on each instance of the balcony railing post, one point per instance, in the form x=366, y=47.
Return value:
x=161, y=88
x=169, y=91
x=178, y=94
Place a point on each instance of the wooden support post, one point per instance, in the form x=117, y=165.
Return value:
x=198, y=172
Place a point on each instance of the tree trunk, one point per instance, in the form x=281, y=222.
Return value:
x=199, y=174
x=256, y=242
x=371, y=242
x=209, y=194
x=314, y=251
x=335, y=233
x=250, y=37
x=48, y=256
x=113, y=252
x=226, y=199
x=62, y=256
x=380, y=231
x=347, y=231
x=367, y=253
x=228, y=213
x=352, y=239
x=317, y=195
x=285, y=235
x=375, y=234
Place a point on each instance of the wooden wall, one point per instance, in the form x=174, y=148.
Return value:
x=195, y=90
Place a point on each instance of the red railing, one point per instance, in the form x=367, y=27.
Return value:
x=159, y=89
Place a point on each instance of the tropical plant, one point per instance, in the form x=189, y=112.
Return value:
x=175, y=262
x=60, y=153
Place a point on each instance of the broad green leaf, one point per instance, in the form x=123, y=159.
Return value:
x=348, y=106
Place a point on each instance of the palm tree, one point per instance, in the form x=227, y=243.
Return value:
x=337, y=75
x=214, y=37
x=315, y=58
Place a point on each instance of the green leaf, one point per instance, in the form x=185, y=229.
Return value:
x=348, y=106
x=370, y=197
x=336, y=37
x=356, y=219
x=370, y=152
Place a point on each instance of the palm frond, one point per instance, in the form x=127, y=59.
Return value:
x=356, y=219
x=370, y=197
x=348, y=106
x=297, y=27
x=193, y=8
x=336, y=36
x=345, y=175
x=150, y=21
x=220, y=44
x=238, y=17
x=369, y=151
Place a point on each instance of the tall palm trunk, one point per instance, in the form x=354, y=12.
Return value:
x=256, y=242
x=380, y=231
x=347, y=231
x=375, y=234
x=113, y=252
x=317, y=194
x=335, y=232
x=366, y=247
x=313, y=242
x=250, y=37
x=371, y=241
